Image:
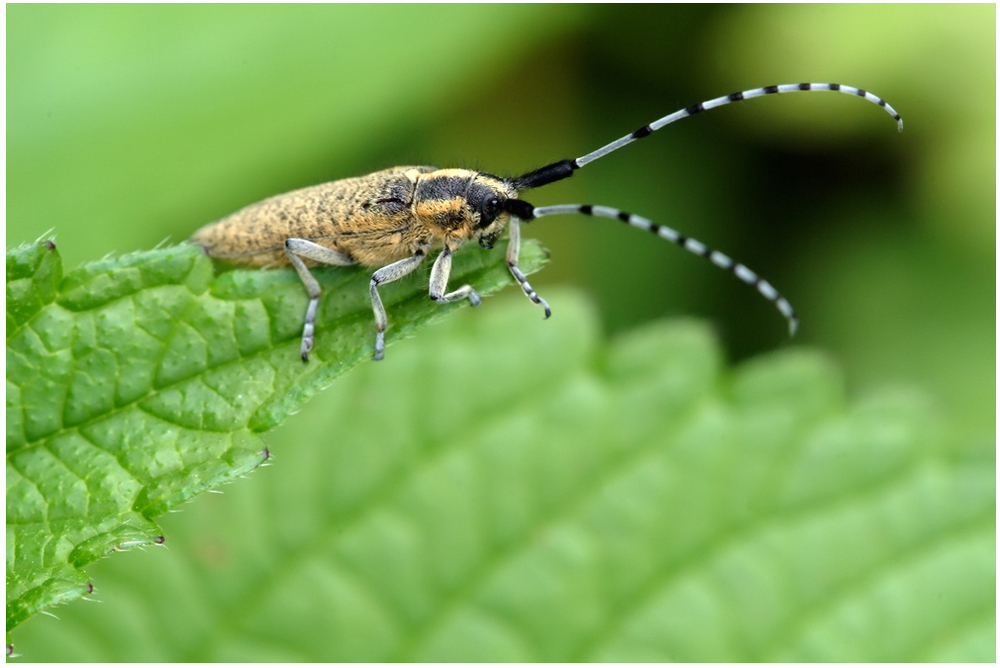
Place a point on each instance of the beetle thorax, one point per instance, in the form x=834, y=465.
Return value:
x=461, y=204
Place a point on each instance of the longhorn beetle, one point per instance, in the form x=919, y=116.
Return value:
x=393, y=218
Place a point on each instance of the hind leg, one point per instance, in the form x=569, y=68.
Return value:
x=296, y=249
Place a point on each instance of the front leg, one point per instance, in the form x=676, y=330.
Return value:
x=439, y=282
x=387, y=274
x=513, y=251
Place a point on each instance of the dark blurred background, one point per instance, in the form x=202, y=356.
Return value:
x=128, y=125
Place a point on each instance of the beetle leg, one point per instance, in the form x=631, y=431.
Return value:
x=513, y=250
x=296, y=248
x=439, y=282
x=387, y=274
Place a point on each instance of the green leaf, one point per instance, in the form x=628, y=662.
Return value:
x=511, y=489
x=137, y=382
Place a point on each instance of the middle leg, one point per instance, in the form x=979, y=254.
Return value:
x=387, y=274
x=439, y=282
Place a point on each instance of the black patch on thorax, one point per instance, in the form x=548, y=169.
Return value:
x=442, y=188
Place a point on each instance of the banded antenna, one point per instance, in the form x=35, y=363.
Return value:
x=741, y=271
x=565, y=168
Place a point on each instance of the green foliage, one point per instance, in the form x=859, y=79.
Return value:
x=129, y=124
x=508, y=489
x=134, y=383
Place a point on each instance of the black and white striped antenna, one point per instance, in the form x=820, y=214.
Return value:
x=565, y=168
x=558, y=171
x=722, y=260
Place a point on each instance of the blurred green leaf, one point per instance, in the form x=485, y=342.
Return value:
x=147, y=121
x=137, y=382
x=910, y=55
x=928, y=316
x=515, y=490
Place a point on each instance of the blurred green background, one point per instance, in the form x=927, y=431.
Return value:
x=128, y=125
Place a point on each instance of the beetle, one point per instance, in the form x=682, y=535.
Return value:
x=393, y=219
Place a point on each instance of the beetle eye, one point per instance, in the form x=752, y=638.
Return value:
x=488, y=212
